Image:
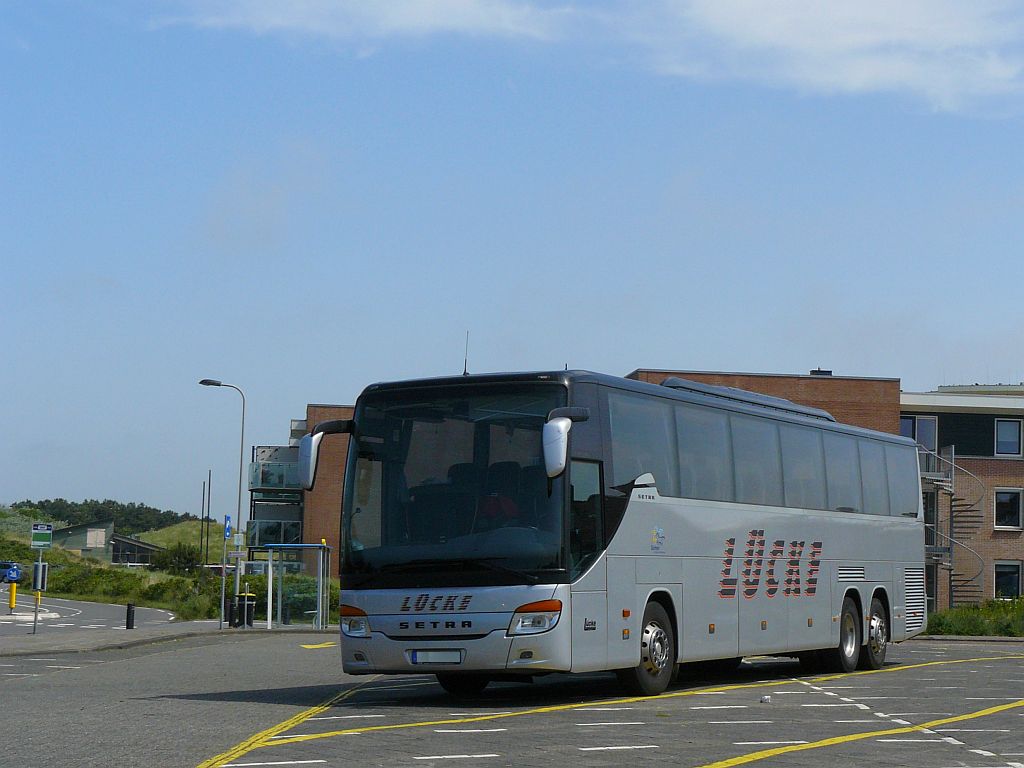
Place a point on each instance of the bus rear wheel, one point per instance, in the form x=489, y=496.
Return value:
x=872, y=655
x=845, y=656
x=462, y=684
x=657, y=655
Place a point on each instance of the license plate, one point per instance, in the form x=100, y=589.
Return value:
x=436, y=657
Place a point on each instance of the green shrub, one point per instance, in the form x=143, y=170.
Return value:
x=994, y=617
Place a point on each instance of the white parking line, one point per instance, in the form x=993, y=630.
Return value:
x=602, y=749
x=972, y=730
x=341, y=717
x=590, y=725
x=469, y=730
x=280, y=762
x=901, y=741
x=862, y=706
x=453, y=757
x=601, y=709
x=60, y=666
x=743, y=722
x=276, y=762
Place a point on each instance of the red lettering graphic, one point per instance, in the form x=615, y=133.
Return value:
x=771, y=580
x=796, y=551
x=754, y=558
x=727, y=587
x=812, y=569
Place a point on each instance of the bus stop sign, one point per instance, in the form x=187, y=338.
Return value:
x=42, y=535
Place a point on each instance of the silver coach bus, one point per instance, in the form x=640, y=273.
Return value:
x=500, y=527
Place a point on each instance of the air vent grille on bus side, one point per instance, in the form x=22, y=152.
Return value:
x=916, y=598
x=850, y=573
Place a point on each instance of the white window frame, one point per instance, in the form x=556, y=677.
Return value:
x=1020, y=509
x=1020, y=438
x=1020, y=577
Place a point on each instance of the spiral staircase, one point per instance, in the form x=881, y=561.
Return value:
x=957, y=520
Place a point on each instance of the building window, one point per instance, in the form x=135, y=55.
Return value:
x=1007, y=437
x=1008, y=508
x=923, y=429
x=1007, y=580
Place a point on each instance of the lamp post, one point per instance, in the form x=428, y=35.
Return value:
x=241, y=462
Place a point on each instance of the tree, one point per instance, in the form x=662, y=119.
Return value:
x=178, y=559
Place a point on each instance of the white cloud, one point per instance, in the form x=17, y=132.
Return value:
x=949, y=52
x=359, y=19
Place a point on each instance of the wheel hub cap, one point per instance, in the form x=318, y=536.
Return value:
x=654, y=649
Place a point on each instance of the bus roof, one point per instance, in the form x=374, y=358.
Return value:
x=685, y=390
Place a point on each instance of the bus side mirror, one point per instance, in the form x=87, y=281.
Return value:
x=309, y=448
x=556, y=445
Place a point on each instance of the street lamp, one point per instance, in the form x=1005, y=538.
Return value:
x=241, y=463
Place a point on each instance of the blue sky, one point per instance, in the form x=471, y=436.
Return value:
x=304, y=198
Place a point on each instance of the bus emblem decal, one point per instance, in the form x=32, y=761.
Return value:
x=435, y=603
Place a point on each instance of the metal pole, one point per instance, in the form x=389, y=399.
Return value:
x=318, y=622
x=209, y=498
x=223, y=581
x=35, y=616
x=270, y=588
x=202, y=520
x=280, y=589
x=241, y=462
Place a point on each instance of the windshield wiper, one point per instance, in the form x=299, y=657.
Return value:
x=481, y=562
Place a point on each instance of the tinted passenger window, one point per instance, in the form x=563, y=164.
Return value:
x=873, y=477
x=758, y=465
x=904, y=490
x=803, y=467
x=842, y=464
x=705, y=456
x=643, y=440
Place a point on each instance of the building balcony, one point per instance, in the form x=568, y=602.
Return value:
x=274, y=476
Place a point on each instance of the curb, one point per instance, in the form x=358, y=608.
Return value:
x=970, y=638
x=164, y=638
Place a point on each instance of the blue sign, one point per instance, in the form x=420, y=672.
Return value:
x=13, y=574
x=227, y=526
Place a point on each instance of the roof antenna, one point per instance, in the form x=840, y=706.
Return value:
x=465, y=364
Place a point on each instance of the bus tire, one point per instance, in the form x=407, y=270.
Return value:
x=657, y=655
x=845, y=656
x=463, y=684
x=872, y=655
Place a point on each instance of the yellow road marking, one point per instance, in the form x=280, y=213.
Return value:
x=604, y=702
x=331, y=644
x=764, y=754
x=262, y=739
x=257, y=739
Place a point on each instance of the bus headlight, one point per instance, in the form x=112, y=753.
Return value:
x=534, y=618
x=354, y=621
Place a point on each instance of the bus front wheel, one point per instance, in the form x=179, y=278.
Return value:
x=462, y=684
x=657, y=655
x=844, y=657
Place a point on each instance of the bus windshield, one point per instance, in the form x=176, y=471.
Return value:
x=447, y=485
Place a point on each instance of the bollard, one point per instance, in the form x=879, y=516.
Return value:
x=129, y=619
x=13, y=596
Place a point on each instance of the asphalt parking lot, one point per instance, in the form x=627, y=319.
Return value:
x=935, y=704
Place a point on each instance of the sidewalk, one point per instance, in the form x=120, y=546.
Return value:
x=107, y=639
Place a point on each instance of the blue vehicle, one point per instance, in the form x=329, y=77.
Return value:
x=9, y=571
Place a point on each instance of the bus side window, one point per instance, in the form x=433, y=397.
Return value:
x=586, y=525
